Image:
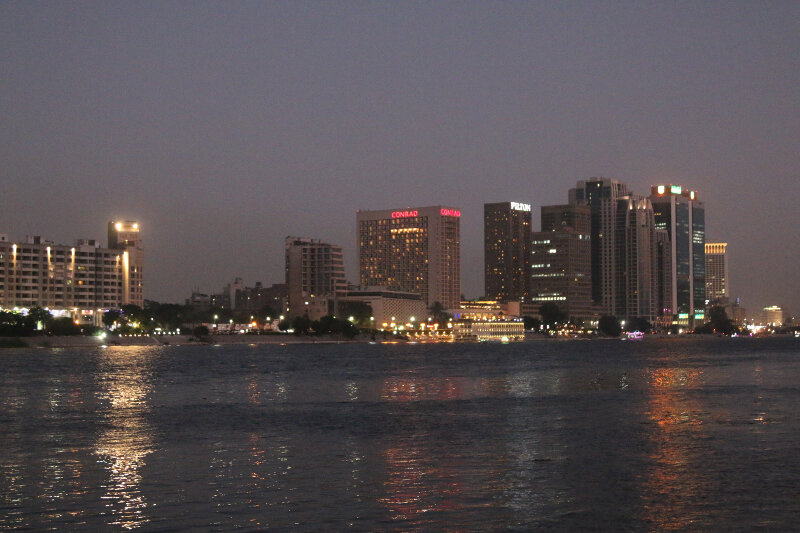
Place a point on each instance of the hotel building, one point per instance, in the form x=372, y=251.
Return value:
x=314, y=277
x=37, y=272
x=716, y=272
x=678, y=211
x=412, y=249
x=506, y=246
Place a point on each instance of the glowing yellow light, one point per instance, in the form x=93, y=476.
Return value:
x=118, y=225
x=136, y=226
x=661, y=189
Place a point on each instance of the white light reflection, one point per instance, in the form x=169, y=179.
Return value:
x=125, y=383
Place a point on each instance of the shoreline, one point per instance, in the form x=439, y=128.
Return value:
x=189, y=340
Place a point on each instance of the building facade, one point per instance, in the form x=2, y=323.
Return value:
x=506, y=247
x=388, y=306
x=37, y=272
x=636, y=272
x=716, y=272
x=314, y=277
x=560, y=265
x=602, y=195
x=678, y=211
x=412, y=249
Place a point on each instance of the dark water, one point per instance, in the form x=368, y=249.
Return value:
x=655, y=435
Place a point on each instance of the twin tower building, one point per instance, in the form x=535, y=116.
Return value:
x=607, y=251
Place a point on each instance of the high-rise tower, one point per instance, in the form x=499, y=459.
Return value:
x=124, y=235
x=506, y=247
x=602, y=195
x=561, y=261
x=314, y=276
x=678, y=211
x=716, y=272
x=416, y=249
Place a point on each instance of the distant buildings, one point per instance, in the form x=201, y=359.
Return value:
x=716, y=272
x=772, y=316
x=412, y=249
x=314, y=277
x=37, y=272
x=506, y=245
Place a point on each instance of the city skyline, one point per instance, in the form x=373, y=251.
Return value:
x=225, y=128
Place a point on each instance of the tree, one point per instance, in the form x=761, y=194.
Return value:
x=38, y=319
x=638, y=323
x=531, y=322
x=109, y=317
x=609, y=325
x=718, y=322
x=551, y=314
x=13, y=325
x=64, y=326
x=360, y=311
x=200, y=332
x=438, y=314
x=301, y=324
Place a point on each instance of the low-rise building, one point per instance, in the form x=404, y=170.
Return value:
x=488, y=330
x=388, y=305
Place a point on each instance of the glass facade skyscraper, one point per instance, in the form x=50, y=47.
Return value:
x=679, y=212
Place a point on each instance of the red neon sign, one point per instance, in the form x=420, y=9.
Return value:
x=404, y=214
x=450, y=212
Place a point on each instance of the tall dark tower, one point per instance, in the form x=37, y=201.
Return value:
x=602, y=195
x=678, y=211
x=561, y=261
x=506, y=246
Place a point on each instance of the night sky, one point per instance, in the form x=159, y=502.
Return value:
x=224, y=127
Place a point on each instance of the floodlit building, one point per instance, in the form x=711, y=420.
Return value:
x=678, y=211
x=414, y=250
x=388, y=306
x=314, y=277
x=772, y=316
x=38, y=272
x=483, y=310
x=716, y=272
x=506, y=245
x=488, y=331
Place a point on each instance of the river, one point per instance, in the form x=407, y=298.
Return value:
x=685, y=433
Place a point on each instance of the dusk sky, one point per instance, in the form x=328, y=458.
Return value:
x=224, y=127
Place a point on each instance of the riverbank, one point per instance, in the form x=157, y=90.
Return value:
x=174, y=340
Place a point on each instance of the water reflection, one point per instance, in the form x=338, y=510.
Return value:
x=674, y=482
x=124, y=382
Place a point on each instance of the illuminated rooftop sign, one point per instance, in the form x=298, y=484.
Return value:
x=675, y=189
x=661, y=189
x=449, y=212
x=516, y=206
x=404, y=214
